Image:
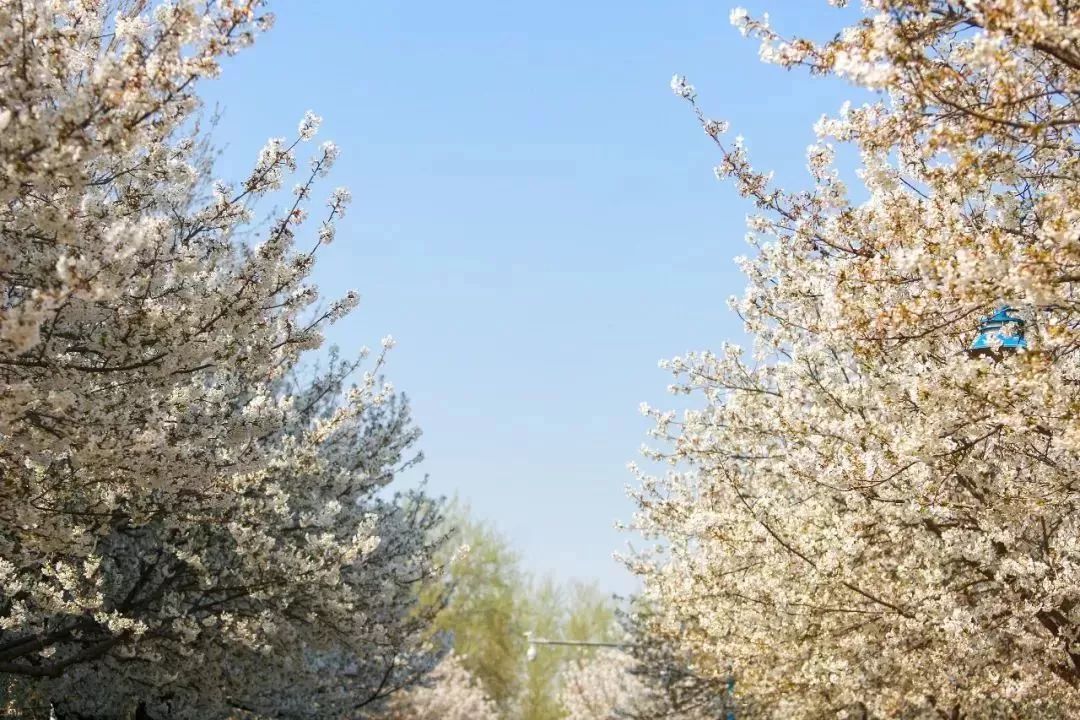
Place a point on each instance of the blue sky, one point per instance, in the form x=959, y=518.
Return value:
x=535, y=221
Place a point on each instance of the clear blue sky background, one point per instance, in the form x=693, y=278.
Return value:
x=535, y=221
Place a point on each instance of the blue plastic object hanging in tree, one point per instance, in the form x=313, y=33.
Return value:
x=1001, y=332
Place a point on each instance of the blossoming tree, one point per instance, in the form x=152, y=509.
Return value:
x=623, y=685
x=860, y=516
x=599, y=687
x=185, y=526
x=450, y=692
x=646, y=676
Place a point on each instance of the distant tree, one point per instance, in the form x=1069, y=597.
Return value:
x=492, y=603
x=450, y=692
x=482, y=613
x=648, y=677
x=573, y=612
x=590, y=614
x=544, y=614
x=599, y=687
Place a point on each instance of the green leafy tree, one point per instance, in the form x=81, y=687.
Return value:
x=493, y=602
x=482, y=611
x=579, y=612
x=544, y=609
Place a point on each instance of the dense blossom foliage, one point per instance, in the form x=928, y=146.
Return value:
x=618, y=685
x=861, y=517
x=599, y=686
x=644, y=676
x=186, y=523
x=449, y=692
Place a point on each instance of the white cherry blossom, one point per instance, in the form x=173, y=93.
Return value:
x=860, y=516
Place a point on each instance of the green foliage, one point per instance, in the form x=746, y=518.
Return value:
x=483, y=611
x=493, y=602
x=543, y=613
x=579, y=612
x=590, y=614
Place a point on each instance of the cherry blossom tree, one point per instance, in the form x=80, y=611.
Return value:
x=599, y=687
x=190, y=525
x=450, y=692
x=647, y=676
x=860, y=515
x=671, y=682
x=640, y=684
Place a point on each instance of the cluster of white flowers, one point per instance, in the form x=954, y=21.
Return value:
x=183, y=525
x=339, y=200
x=599, y=686
x=642, y=681
x=682, y=87
x=449, y=692
x=861, y=517
x=309, y=125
